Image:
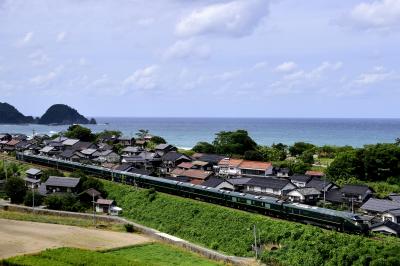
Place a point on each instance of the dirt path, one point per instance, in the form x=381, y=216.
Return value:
x=19, y=237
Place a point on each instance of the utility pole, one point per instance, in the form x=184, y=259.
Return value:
x=33, y=198
x=94, y=211
x=255, y=241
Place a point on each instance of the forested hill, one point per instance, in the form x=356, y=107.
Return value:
x=10, y=115
x=65, y=115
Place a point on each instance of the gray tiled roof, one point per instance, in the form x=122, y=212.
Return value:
x=57, y=181
x=268, y=182
x=300, y=178
x=355, y=189
x=213, y=182
x=308, y=191
x=379, y=205
x=33, y=171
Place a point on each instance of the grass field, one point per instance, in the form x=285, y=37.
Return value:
x=149, y=254
x=21, y=216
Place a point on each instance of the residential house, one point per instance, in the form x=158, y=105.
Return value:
x=131, y=151
x=71, y=155
x=70, y=142
x=356, y=193
x=218, y=183
x=5, y=137
x=172, y=159
x=281, y=172
x=56, y=184
x=19, y=136
x=379, y=206
x=49, y=151
x=202, y=165
x=107, y=206
x=321, y=185
x=269, y=185
x=392, y=215
x=164, y=148
x=387, y=227
x=300, y=180
x=304, y=195
x=213, y=159
x=90, y=195
x=11, y=145
x=32, y=179
x=83, y=145
x=88, y=154
x=126, y=141
x=317, y=174
x=229, y=167
x=107, y=156
x=185, y=165
x=196, y=176
x=239, y=184
x=255, y=168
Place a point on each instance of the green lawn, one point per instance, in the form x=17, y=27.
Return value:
x=149, y=255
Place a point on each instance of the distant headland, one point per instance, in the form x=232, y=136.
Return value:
x=57, y=114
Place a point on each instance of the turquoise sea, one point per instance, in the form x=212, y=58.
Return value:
x=185, y=132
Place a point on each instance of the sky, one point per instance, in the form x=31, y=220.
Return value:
x=202, y=58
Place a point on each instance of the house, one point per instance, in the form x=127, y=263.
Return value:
x=387, y=228
x=131, y=151
x=239, y=184
x=213, y=159
x=107, y=206
x=321, y=185
x=218, y=183
x=304, y=195
x=49, y=151
x=394, y=197
x=107, y=156
x=202, y=165
x=255, y=168
x=196, y=175
x=32, y=179
x=90, y=195
x=61, y=184
x=281, y=172
x=88, y=153
x=300, y=180
x=379, y=206
x=5, y=137
x=314, y=174
x=269, y=185
x=19, y=137
x=185, y=165
x=70, y=142
x=392, y=215
x=172, y=159
x=83, y=145
x=126, y=141
x=10, y=146
x=229, y=167
x=70, y=155
x=164, y=148
x=356, y=193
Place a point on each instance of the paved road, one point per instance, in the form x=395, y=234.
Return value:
x=20, y=237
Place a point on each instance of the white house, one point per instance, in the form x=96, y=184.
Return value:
x=269, y=185
x=304, y=195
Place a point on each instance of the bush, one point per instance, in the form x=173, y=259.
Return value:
x=63, y=202
x=129, y=228
x=15, y=189
x=28, y=199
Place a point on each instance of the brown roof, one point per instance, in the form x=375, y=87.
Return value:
x=197, y=181
x=197, y=174
x=314, y=173
x=255, y=165
x=177, y=171
x=187, y=165
x=197, y=155
x=13, y=142
x=104, y=201
x=199, y=163
x=230, y=162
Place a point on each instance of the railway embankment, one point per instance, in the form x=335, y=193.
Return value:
x=232, y=231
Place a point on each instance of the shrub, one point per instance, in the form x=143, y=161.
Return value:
x=129, y=228
x=15, y=189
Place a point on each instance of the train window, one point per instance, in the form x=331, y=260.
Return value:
x=234, y=199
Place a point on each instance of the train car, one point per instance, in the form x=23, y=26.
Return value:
x=341, y=221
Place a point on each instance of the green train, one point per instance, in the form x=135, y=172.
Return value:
x=327, y=218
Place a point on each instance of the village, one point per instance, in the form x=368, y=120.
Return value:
x=207, y=170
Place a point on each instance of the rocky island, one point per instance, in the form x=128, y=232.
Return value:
x=59, y=114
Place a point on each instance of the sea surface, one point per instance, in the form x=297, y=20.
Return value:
x=186, y=132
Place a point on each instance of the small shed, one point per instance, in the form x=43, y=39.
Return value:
x=104, y=205
x=387, y=228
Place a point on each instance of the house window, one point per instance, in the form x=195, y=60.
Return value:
x=388, y=218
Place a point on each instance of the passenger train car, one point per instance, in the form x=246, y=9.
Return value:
x=341, y=221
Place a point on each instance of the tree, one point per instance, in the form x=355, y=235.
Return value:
x=345, y=165
x=307, y=157
x=299, y=147
x=253, y=156
x=234, y=142
x=50, y=172
x=158, y=140
x=15, y=189
x=109, y=133
x=80, y=132
x=272, y=154
x=204, y=147
x=28, y=199
x=142, y=133
x=398, y=141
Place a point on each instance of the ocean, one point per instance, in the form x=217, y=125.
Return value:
x=186, y=132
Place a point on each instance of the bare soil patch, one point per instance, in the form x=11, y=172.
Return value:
x=20, y=237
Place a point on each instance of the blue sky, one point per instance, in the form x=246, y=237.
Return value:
x=203, y=58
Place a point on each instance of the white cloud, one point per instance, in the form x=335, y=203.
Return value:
x=61, y=36
x=39, y=58
x=26, y=39
x=42, y=80
x=236, y=19
x=260, y=65
x=286, y=67
x=378, y=74
x=228, y=75
x=187, y=49
x=145, y=78
x=381, y=14
x=144, y=22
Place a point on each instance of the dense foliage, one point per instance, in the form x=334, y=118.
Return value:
x=204, y=147
x=28, y=199
x=378, y=162
x=10, y=115
x=50, y=172
x=15, y=189
x=62, y=114
x=230, y=231
x=233, y=142
x=64, y=202
x=80, y=132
